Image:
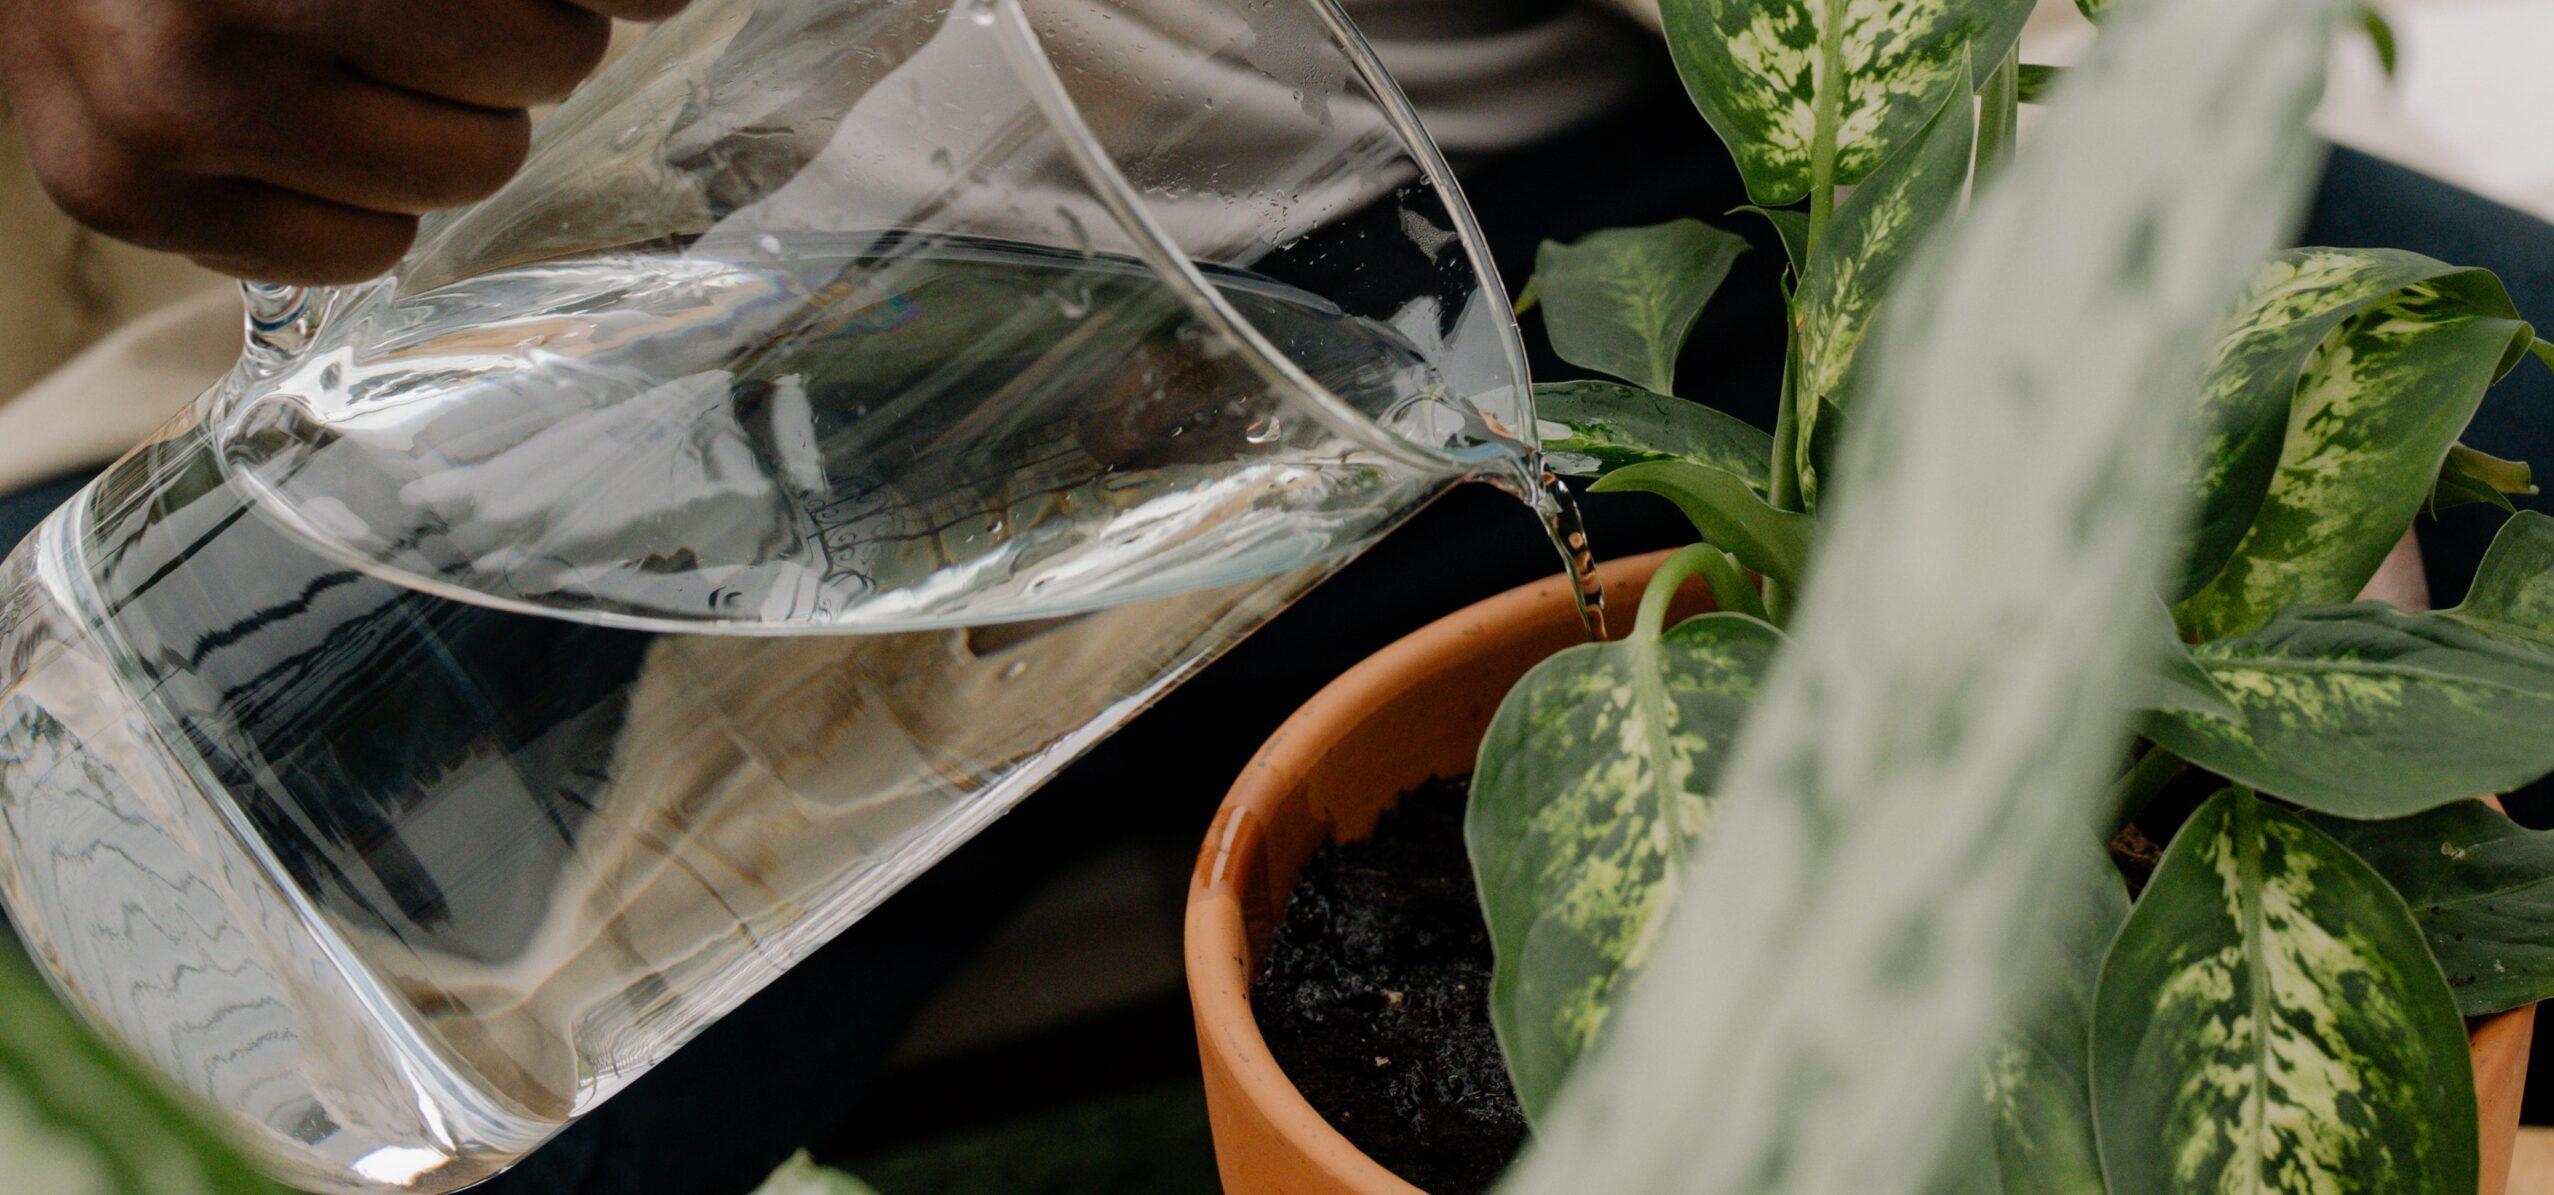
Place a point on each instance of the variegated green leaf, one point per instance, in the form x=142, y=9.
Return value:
x=1621, y=301
x=2482, y=889
x=2039, y=1087
x=78, y=1118
x=2366, y=711
x=800, y=1175
x=1728, y=513
x=1592, y=788
x=2270, y=1021
x=2381, y=400
x=2513, y=592
x=1591, y=428
x=2469, y=476
x=1792, y=85
x=1821, y=998
x=2037, y=81
x=2290, y=308
x=1850, y=267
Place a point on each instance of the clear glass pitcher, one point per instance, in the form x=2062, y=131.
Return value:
x=854, y=409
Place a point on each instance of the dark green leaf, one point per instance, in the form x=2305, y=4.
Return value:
x=76, y=1115
x=2039, y=1088
x=1593, y=785
x=2470, y=477
x=2359, y=441
x=2513, y=592
x=1773, y=543
x=2037, y=81
x=1850, y=268
x=800, y=1175
x=2366, y=711
x=1589, y=428
x=2482, y=888
x=1754, y=68
x=1790, y=224
x=2270, y=1021
x=1622, y=301
x=2093, y=9
x=2179, y=682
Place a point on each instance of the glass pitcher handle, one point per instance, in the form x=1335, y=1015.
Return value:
x=281, y=320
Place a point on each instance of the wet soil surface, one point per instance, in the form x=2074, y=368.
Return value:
x=1375, y=1000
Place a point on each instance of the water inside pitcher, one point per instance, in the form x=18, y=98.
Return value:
x=853, y=411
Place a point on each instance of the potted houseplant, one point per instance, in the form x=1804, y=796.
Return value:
x=2330, y=943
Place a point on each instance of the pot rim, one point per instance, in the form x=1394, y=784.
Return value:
x=1218, y=952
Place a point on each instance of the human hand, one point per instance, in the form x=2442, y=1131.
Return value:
x=287, y=140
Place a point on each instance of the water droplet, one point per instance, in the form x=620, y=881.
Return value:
x=1075, y=305
x=980, y=11
x=769, y=244
x=1265, y=430
x=1012, y=671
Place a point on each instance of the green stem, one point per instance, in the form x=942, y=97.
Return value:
x=2138, y=789
x=1826, y=113
x=1784, y=488
x=1671, y=574
x=1731, y=590
x=1822, y=209
x=1784, y=492
x=1998, y=112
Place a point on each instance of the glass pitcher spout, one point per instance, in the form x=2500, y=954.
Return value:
x=853, y=411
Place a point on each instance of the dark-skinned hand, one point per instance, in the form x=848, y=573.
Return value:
x=287, y=140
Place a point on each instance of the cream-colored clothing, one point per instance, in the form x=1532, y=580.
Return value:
x=156, y=330
x=106, y=341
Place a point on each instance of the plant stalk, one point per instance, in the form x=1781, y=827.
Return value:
x=1673, y=573
x=1784, y=489
x=1827, y=113
x=1731, y=590
x=1999, y=108
x=2138, y=789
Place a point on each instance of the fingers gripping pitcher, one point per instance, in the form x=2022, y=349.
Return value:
x=855, y=409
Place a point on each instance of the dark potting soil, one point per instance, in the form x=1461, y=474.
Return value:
x=1375, y=1000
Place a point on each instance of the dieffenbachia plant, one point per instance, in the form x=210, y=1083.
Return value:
x=1958, y=507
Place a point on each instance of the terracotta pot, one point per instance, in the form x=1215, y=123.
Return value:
x=1414, y=711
